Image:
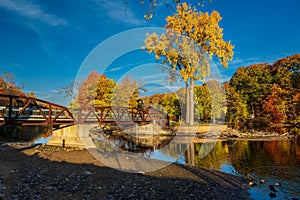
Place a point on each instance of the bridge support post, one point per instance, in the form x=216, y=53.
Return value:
x=49, y=121
x=10, y=108
x=79, y=116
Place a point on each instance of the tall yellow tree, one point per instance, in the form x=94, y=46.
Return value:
x=191, y=39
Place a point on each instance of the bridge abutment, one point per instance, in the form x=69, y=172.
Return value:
x=68, y=136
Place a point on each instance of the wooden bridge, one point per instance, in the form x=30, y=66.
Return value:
x=23, y=110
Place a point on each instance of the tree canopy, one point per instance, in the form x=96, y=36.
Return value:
x=266, y=91
x=191, y=39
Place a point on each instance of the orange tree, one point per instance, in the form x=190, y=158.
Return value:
x=96, y=90
x=191, y=39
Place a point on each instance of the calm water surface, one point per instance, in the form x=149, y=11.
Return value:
x=276, y=162
x=272, y=161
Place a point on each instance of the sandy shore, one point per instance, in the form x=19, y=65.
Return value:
x=47, y=172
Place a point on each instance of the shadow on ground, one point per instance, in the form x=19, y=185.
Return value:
x=43, y=172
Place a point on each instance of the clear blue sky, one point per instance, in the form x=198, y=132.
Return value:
x=45, y=42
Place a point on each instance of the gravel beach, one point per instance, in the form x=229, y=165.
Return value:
x=49, y=172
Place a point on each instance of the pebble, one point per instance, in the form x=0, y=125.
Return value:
x=86, y=172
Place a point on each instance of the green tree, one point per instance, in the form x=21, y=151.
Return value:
x=237, y=108
x=253, y=83
x=171, y=105
x=190, y=37
x=203, y=103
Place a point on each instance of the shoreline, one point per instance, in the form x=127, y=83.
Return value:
x=46, y=172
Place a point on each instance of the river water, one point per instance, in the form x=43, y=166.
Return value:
x=276, y=162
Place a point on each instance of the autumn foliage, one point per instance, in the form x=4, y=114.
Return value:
x=265, y=91
x=192, y=38
x=99, y=91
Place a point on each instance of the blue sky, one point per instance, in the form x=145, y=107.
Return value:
x=44, y=43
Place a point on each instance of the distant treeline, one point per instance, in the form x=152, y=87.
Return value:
x=261, y=93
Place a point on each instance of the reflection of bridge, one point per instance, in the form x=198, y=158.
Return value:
x=32, y=111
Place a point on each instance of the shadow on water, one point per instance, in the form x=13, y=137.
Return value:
x=20, y=133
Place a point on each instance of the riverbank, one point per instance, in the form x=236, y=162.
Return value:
x=49, y=172
x=231, y=134
x=200, y=133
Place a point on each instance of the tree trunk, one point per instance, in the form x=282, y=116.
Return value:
x=191, y=100
x=187, y=112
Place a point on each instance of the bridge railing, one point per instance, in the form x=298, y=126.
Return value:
x=31, y=111
x=119, y=114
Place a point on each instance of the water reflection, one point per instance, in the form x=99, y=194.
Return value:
x=272, y=161
x=24, y=133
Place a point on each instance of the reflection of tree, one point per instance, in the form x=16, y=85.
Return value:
x=261, y=156
x=215, y=158
x=24, y=133
x=173, y=150
x=258, y=157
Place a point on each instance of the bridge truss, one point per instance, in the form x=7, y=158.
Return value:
x=25, y=110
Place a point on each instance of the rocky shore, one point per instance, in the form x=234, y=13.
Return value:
x=201, y=131
x=49, y=172
x=230, y=133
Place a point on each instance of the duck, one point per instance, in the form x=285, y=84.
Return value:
x=278, y=184
x=261, y=181
x=272, y=188
x=249, y=177
x=251, y=184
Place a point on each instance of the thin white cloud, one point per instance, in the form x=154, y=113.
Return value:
x=55, y=91
x=154, y=76
x=239, y=62
x=40, y=95
x=32, y=11
x=244, y=61
x=116, y=11
x=114, y=69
